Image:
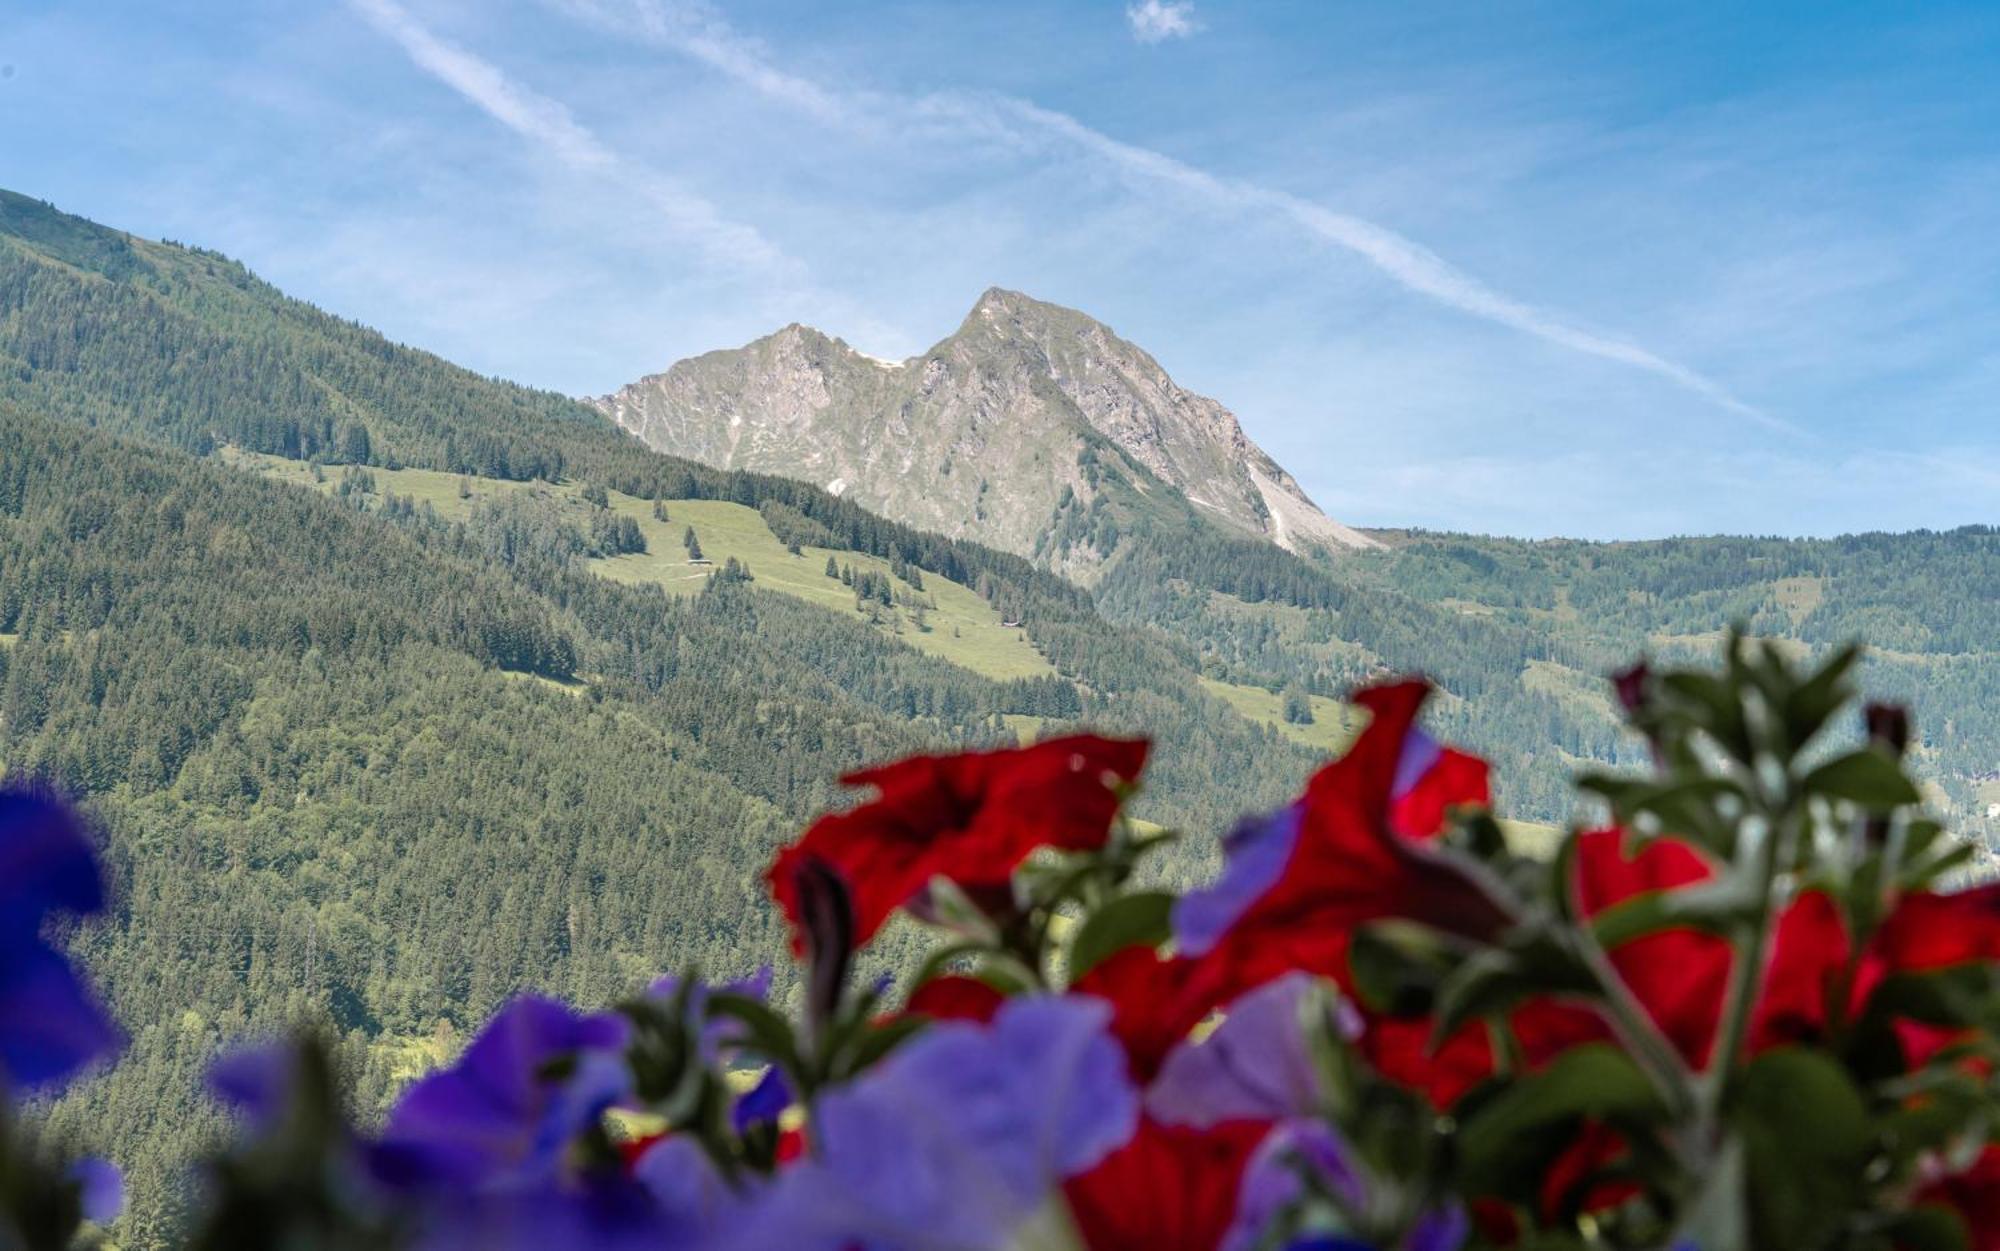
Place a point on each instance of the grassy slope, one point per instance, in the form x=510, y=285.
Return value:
x=963, y=628
x=1333, y=726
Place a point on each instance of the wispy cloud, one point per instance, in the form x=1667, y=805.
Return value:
x=1409, y=263
x=552, y=129
x=693, y=28
x=1156, y=20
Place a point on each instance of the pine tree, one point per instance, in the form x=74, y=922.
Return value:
x=832, y=568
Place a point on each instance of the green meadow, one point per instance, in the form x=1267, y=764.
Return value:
x=1333, y=725
x=953, y=624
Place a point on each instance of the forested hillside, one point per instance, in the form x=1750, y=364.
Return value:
x=360, y=760
x=1522, y=632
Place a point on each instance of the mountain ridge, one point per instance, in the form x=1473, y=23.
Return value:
x=992, y=433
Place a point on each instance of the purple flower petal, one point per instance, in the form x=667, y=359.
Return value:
x=1255, y=1066
x=958, y=1137
x=692, y=1198
x=766, y=1102
x=100, y=1189
x=1442, y=1230
x=536, y=1076
x=1420, y=752
x=46, y=863
x=1273, y=1182
x=609, y=1217
x=50, y=1023
x=255, y=1080
x=1255, y=855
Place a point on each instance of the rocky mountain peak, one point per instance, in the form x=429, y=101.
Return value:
x=1026, y=410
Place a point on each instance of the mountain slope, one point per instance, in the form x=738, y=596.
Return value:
x=1021, y=414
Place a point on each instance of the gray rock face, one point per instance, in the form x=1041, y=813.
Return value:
x=1022, y=412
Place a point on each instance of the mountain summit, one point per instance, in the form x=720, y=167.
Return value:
x=1024, y=429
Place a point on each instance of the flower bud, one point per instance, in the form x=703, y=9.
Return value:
x=1889, y=727
x=1634, y=687
x=827, y=911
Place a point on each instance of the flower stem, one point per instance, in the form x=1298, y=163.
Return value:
x=1636, y=1028
x=1752, y=948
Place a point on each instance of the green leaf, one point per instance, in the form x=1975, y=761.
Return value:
x=1805, y=1136
x=765, y=1032
x=877, y=1041
x=1397, y=967
x=1144, y=919
x=1680, y=806
x=1712, y=906
x=1867, y=777
x=1493, y=980
x=1507, y=1143
x=1929, y=1227
x=1812, y=704
x=941, y=959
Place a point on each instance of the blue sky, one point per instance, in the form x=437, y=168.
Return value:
x=1601, y=270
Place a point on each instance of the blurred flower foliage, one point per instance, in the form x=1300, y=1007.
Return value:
x=1746, y=1011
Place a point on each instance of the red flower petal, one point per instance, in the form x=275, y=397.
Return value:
x=955, y=998
x=1571, y=1185
x=1169, y=1189
x=1677, y=974
x=1928, y=931
x=972, y=817
x=1155, y=1002
x=1360, y=853
x=1399, y=1047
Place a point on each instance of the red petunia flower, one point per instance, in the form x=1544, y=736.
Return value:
x=1352, y=850
x=1929, y=931
x=1573, y=1181
x=1168, y=1189
x=1399, y=1048
x=1679, y=974
x=956, y=998
x=1156, y=1001
x=972, y=817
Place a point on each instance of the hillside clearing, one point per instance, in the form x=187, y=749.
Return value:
x=1333, y=724
x=954, y=623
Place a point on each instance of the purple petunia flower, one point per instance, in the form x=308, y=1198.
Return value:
x=100, y=1188
x=618, y=1216
x=695, y=1206
x=959, y=1137
x=1274, y=1181
x=765, y=1102
x=534, y=1078
x=1255, y=855
x=1255, y=1066
x=51, y=1024
x=255, y=1080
